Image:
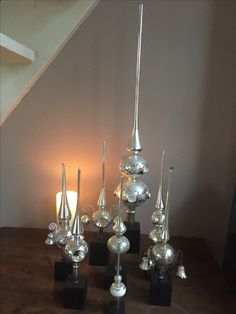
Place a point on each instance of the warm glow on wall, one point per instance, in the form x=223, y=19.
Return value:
x=72, y=200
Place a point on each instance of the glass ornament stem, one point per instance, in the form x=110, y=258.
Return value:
x=130, y=217
x=120, y=199
x=159, y=202
x=103, y=163
x=64, y=211
x=166, y=235
x=75, y=271
x=136, y=100
x=118, y=261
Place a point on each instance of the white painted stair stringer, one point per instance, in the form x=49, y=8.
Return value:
x=67, y=16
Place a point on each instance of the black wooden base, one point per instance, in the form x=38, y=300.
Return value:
x=98, y=253
x=75, y=293
x=61, y=270
x=133, y=234
x=160, y=290
x=109, y=276
x=114, y=307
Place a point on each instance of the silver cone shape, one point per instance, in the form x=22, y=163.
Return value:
x=181, y=272
x=77, y=228
x=159, y=202
x=102, y=197
x=102, y=200
x=64, y=211
x=166, y=233
x=135, y=144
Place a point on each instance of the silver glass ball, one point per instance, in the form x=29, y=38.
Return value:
x=158, y=218
x=76, y=250
x=101, y=218
x=118, y=244
x=135, y=192
x=62, y=235
x=118, y=289
x=156, y=235
x=133, y=164
x=163, y=255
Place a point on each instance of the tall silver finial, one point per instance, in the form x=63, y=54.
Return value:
x=133, y=165
x=102, y=197
x=135, y=144
x=64, y=211
x=102, y=218
x=77, y=248
x=61, y=232
x=166, y=234
x=159, y=203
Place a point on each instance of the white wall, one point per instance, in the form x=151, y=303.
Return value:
x=87, y=94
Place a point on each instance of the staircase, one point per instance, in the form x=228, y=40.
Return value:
x=32, y=33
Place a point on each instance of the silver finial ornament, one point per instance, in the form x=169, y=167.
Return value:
x=135, y=191
x=61, y=232
x=118, y=243
x=76, y=248
x=102, y=218
x=161, y=255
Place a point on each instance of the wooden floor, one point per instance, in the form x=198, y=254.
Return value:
x=27, y=285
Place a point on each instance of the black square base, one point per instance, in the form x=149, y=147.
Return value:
x=61, y=270
x=114, y=307
x=109, y=276
x=133, y=234
x=75, y=293
x=98, y=253
x=160, y=290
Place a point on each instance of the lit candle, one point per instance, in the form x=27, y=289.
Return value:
x=72, y=200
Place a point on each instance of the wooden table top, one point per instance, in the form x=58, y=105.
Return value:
x=27, y=284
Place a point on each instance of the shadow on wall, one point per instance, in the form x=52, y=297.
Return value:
x=216, y=144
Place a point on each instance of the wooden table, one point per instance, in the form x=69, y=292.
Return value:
x=27, y=284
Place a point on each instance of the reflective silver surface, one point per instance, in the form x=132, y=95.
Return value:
x=161, y=256
x=102, y=218
x=135, y=193
x=133, y=165
x=61, y=232
x=77, y=248
x=156, y=235
x=146, y=263
x=122, y=241
x=181, y=272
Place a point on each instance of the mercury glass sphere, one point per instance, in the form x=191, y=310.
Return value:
x=101, y=218
x=163, y=255
x=133, y=164
x=62, y=235
x=118, y=242
x=158, y=218
x=118, y=289
x=156, y=235
x=76, y=250
x=135, y=192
